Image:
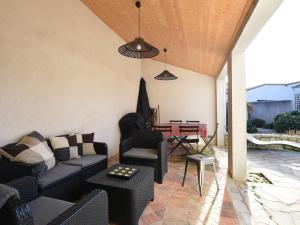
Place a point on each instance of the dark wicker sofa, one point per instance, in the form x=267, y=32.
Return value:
x=66, y=180
x=30, y=209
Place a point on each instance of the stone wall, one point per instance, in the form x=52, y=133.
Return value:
x=275, y=137
x=271, y=137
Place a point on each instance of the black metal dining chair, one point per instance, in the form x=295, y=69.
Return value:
x=175, y=121
x=193, y=121
x=208, y=140
x=188, y=134
x=165, y=129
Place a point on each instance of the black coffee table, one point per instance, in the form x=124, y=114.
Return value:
x=127, y=198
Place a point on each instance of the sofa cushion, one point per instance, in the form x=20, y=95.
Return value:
x=45, y=209
x=86, y=161
x=31, y=149
x=143, y=153
x=57, y=173
x=85, y=143
x=64, y=148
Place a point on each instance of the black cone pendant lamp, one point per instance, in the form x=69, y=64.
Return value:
x=165, y=75
x=138, y=48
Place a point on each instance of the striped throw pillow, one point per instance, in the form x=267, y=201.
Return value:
x=31, y=149
x=64, y=148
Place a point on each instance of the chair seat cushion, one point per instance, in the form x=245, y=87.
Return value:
x=143, y=153
x=57, y=173
x=86, y=161
x=45, y=209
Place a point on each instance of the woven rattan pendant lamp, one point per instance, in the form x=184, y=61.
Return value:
x=165, y=75
x=138, y=48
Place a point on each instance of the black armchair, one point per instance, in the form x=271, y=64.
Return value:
x=33, y=210
x=136, y=151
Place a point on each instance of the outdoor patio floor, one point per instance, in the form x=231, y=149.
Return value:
x=177, y=205
x=281, y=200
x=235, y=203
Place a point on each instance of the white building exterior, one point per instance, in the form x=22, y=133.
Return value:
x=269, y=100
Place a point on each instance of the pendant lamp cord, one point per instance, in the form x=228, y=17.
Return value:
x=138, y=5
x=165, y=50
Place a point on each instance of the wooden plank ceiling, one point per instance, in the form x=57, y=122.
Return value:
x=199, y=34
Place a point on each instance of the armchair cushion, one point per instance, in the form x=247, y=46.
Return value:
x=59, y=172
x=142, y=153
x=86, y=160
x=45, y=209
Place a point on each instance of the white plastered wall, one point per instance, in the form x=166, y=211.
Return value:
x=60, y=72
x=191, y=97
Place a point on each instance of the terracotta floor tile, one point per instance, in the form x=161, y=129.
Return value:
x=228, y=221
x=176, y=213
x=177, y=205
x=150, y=218
x=161, y=213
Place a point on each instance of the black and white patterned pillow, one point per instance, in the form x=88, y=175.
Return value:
x=65, y=147
x=85, y=143
x=31, y=149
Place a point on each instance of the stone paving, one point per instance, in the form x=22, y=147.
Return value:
x=280, y=200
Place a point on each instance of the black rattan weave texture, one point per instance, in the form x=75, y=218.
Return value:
x=127, y=197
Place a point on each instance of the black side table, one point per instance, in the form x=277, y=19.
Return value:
x=127, y=198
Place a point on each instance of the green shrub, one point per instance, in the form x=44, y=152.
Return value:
x=250, y=127
x=287, y=121
x=258, y=122
x=269, y=126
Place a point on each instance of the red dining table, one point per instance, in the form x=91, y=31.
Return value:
x=180, y=136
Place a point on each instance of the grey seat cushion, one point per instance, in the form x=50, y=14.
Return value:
x=143, y=153
x=86, y=161
x=57, y=173
x=45, y=209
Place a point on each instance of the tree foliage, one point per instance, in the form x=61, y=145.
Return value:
x=287, y=121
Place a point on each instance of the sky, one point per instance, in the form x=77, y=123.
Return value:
x=274, y=55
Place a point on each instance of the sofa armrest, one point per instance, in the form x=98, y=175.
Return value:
x=12, y=170
x=16, y=211
x=91, y=210
x=26, y=186
x=101, y=148
x=125, y=145
x=162, y=153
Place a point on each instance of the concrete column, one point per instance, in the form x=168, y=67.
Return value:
x=237, y=116
x=221, y=109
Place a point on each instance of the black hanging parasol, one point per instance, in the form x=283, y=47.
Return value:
x=143, y=106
